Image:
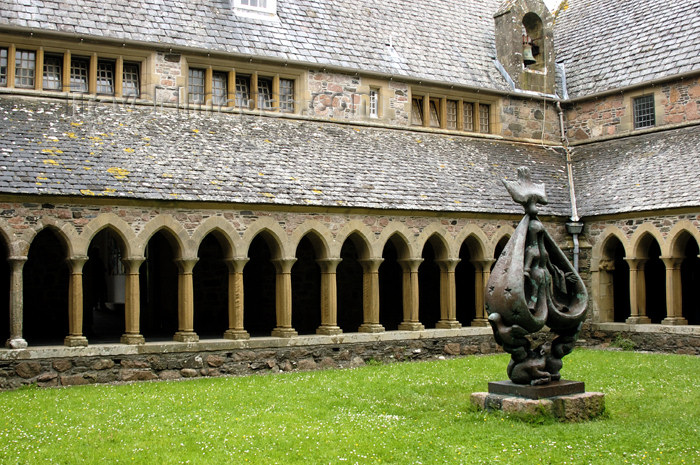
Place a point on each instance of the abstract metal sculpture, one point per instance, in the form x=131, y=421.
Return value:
x=533, y=285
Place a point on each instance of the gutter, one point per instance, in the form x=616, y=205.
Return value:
x=575, y=226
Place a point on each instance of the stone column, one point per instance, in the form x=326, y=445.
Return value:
x=329, y=296
x=75, y=336
x=483, y=272
x=283, y=297
x=674, y=292
x=638, y=297
x=132, y=305
x=16, y=340
x=235, y=299
x=448, y=294
x=410, y=295
x=602, y=281
x=185, y=302
x=370, y=295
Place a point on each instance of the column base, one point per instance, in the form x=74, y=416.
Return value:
x=638, y=320
x=411, y=326
x=674, y=321
x=329, y=330
x=371, y=328
x=448, y=324
x=186, y=336
x=75, y=341
x=236, y=334
x=480, y=322
x=284, y=332
x=16, y=343
x=132, y=339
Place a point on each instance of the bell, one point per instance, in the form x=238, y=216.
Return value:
x=528, y=59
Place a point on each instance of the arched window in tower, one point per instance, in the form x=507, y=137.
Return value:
x=533, y=52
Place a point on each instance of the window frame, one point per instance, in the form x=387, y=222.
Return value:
x=437, y=104
x=4, y=77
x=647, y=103
x=19, y=59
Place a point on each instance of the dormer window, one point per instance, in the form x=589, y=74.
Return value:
x=256, y=8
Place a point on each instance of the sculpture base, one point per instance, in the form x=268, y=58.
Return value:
x=562, y=387
x=575, y=407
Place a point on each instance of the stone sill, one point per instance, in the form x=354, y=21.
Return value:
x=689, y=330
x=210, y=345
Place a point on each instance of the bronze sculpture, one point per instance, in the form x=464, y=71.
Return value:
x=533, y=285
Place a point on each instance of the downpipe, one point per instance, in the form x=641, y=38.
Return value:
x=575, y=226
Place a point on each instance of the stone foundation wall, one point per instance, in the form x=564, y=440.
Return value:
x=171, y=361
x=651, y=338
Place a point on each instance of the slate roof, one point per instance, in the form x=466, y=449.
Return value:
x=606, y=44
x=447, y=40
x=167, y=155
x=644, y=172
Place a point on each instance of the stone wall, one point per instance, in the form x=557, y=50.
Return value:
x=676, y=102
x=525, y=119
x=168, y=78
x=172, y=361
x=650, y=338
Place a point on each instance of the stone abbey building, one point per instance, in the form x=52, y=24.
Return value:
x=226, y=186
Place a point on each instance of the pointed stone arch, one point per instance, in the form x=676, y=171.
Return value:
x=678, y=236
x=475, y=239
x=641, y=238
x=439, y=239
x=273, y=235
x=498, y=241
x=319, y=235
x=610, y=276
x=175, y=233
x=471, y=274
x=362, y=237
x=598, y=252
x=115, y=224
x=400, y=236
x=225, y=233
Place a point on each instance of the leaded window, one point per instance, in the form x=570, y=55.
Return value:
x=254, y=3
x=287, y=95
x=451, y=110
x=434, y=114
x=484, y=118
x=644, y=112
x=79, y=68
x=53, y=72
x=468, y=117
x=105, y=77
x=417, y=111
x=195, y=90
x=219, y=88
x=131, y=80
x=264, y=93
x=25, y=68
x=243, y=91
x=3, y=67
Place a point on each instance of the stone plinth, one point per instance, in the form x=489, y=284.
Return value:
x=562, y=387
x=570, y=408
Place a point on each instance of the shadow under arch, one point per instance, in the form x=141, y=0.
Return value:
x=434, y=249
x=259, y=284
x=391, y=282
x=613, y=281
x=5, y=275
x=45, y=289
x=158, y=280
x=685, y=248
x=471, y=252
x=210, y=286
x=349, y=277
x=104, y=286
x=652, y=299
x=306, y=283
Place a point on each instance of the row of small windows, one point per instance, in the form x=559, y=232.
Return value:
x=78, y=78
x=249, y=91
x=450, y=114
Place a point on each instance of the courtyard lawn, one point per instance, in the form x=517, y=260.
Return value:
x=413, y=413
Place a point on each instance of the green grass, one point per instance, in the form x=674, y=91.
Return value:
x=414, y=413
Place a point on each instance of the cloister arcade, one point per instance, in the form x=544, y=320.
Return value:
x=107, y=284
x=647, y=277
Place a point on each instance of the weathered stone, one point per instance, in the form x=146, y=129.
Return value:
x=75, y=380
x=356, y=362
x=137, y=374
x=169, y=375
x=327, y=363
x=215, y=360
x=28, y=369
x=194, y=362
x=62, y=365
x=189, y=372
x=286, y=366
x=470, y=349
x=306, y=364
x=452, y=348
x=130, y=363
x=577, y=407
x=102, y=364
